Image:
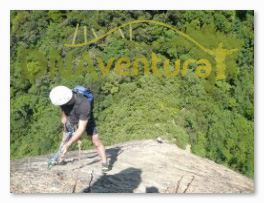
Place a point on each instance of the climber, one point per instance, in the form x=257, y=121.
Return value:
x=77, y=117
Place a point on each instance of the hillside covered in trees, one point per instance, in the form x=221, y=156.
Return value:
x=215, y=116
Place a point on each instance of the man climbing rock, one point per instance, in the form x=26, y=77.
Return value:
x=77, y=117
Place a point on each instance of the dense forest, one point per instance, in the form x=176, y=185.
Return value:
x=216, y=117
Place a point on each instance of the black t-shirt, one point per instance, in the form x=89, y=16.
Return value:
x=80, y=110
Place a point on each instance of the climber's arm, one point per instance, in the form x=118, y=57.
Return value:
x=76, y=136
x=78, y=133
x=63, y=117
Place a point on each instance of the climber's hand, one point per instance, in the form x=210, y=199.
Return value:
x=64, y=150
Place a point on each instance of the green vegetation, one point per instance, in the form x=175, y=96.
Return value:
x=215, y=117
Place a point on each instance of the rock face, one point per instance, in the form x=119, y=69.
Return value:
x=137, y=167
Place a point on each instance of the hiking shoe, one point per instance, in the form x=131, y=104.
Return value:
x=105, y=167
x=61, y=163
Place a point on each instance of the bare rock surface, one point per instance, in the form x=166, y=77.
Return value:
x=136, y=167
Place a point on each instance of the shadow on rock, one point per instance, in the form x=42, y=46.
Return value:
x=124, y=182
x=113, y=152
x=152, y=190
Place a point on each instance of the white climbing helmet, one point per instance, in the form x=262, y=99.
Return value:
x=60, y=95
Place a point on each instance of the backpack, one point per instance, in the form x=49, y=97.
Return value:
x=84, y=91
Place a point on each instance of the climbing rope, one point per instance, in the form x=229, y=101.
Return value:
x=78, y=173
